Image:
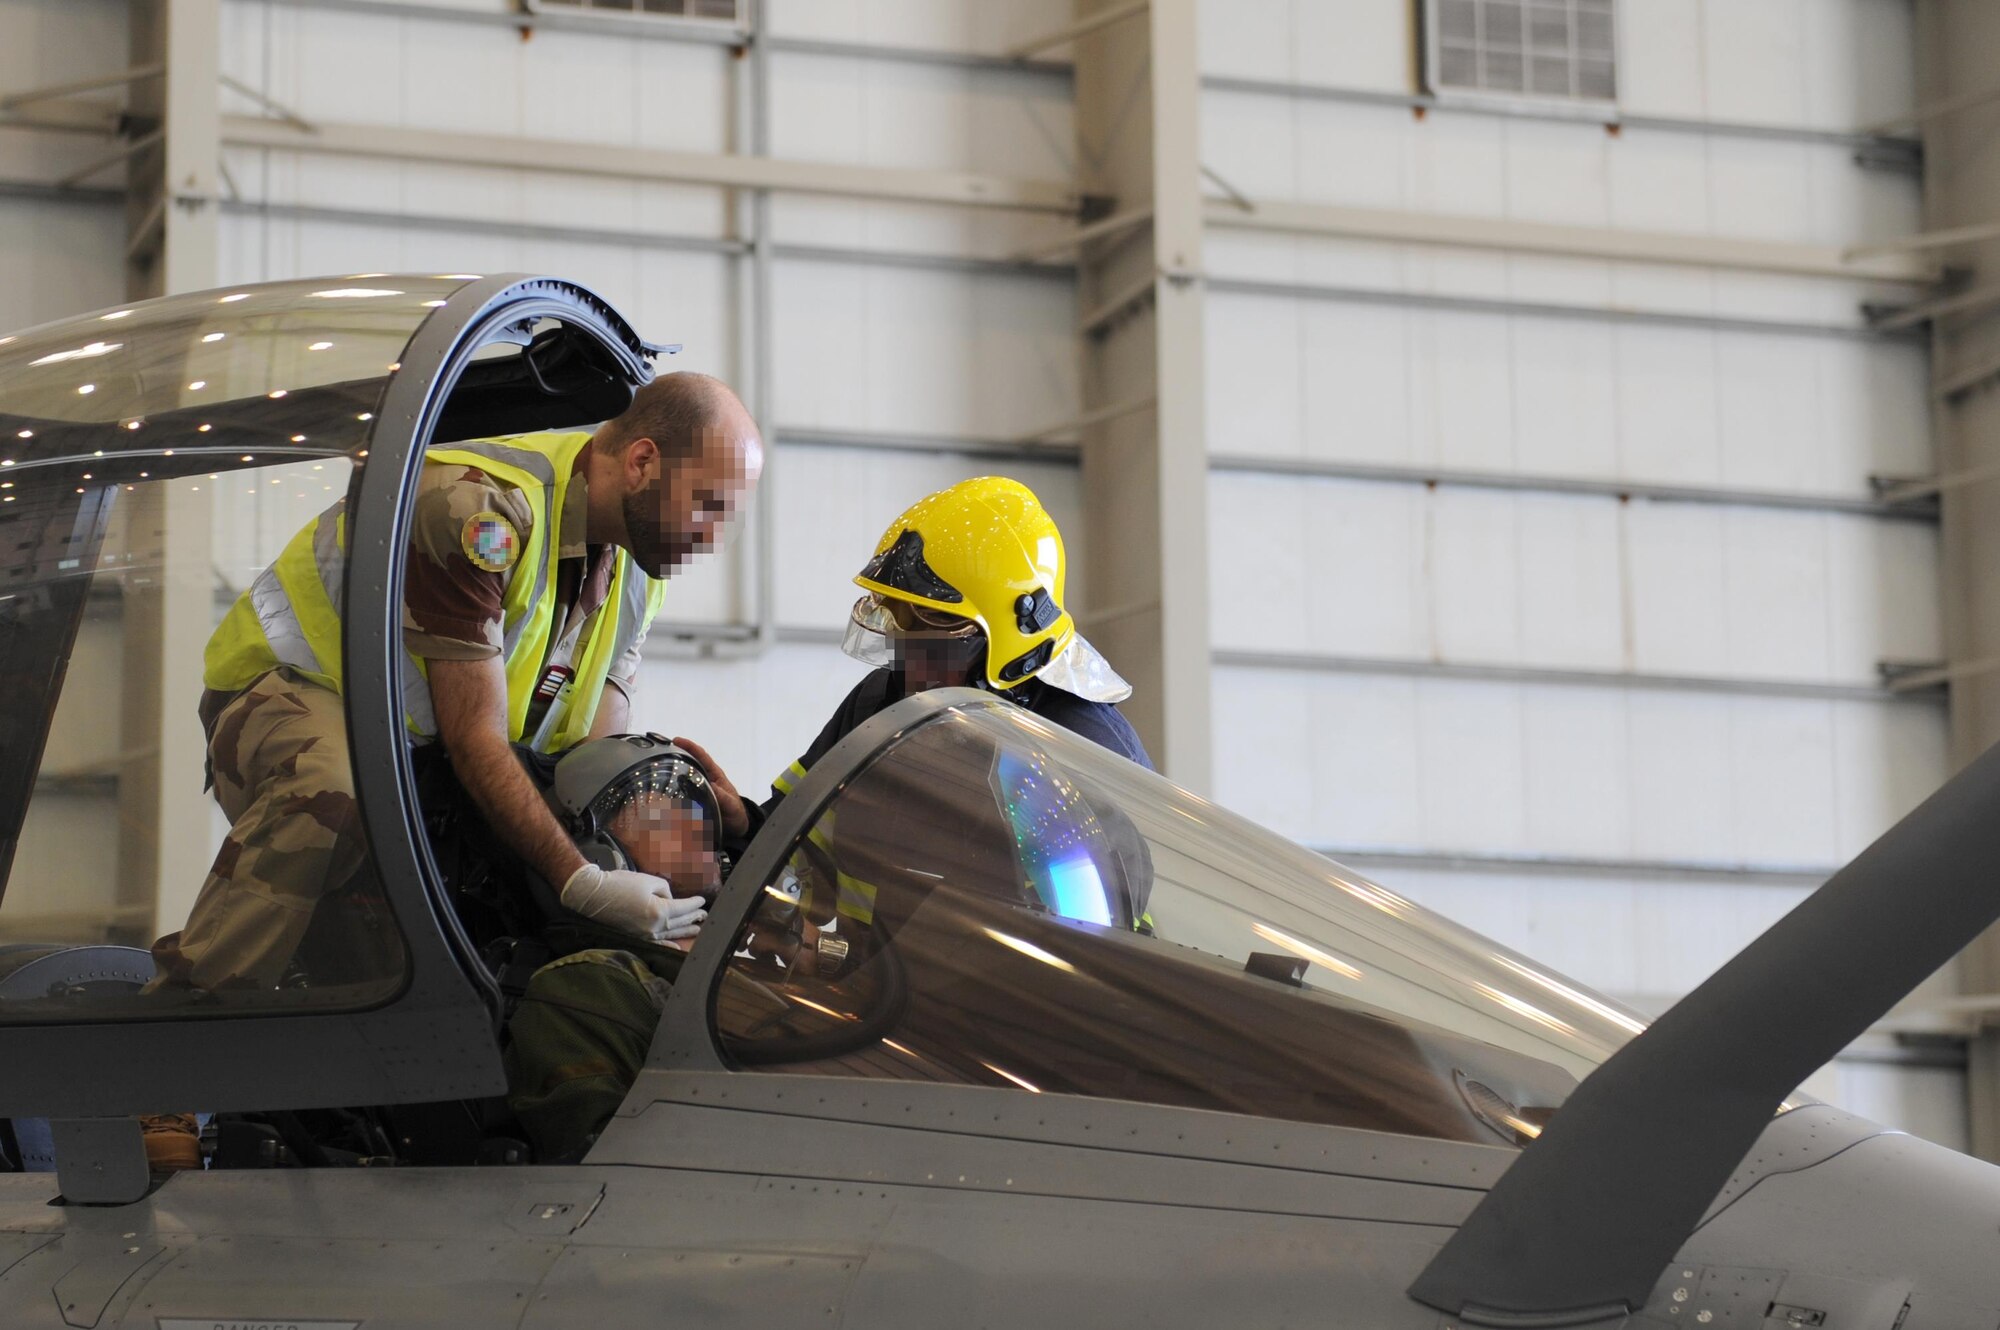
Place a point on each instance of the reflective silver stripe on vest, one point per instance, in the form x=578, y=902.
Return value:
x=539, y=465
x=632, y=612
x=329, y=553
x=510, y=634
x=275, y=614
x=281, y=624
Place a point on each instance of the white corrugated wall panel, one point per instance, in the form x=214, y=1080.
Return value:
x=1293, y=376
x=1314, y=151
x=841, y=108
x=939, y=25
x=922, y=352
x=1577, y=582
x=57, y=258
x=1631, y=937
x=1541, y=768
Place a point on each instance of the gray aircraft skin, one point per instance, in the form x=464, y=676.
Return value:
x=1103, y=1054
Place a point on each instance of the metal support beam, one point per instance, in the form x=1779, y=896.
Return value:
x=1869, y=141
x=725, y=170
x=99, y=119
x=486, y=226
x=277, y=109
x=1923, y=116
x=172, y=217
x=1000, y=450
x=755, y=81
x=1906, y=680
x=1145, y=472
x=1118, y=304
x=719, y=35
x=1893, y=490
x=1972, y=300
x=1102, y=415
x=1948, y=238
x=582, y=233
x=110, y=159
x=970, y=265
x=14, y=101
x=1585, y=242
x=1356, y=295
x=1116, y=224
x=606, y=22
x=1331, y=469
x=1977, y=374
x=1094, y=22
x=1400, y=667
x=977, y=62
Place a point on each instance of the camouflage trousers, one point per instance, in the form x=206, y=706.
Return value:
x=278, y=754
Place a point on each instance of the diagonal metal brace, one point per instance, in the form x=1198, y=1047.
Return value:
x=54, y=91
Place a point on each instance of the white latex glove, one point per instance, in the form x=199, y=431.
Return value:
x=635, y=902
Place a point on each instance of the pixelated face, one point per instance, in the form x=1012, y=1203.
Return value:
x=681, y=510
x=670, y=838
x=934, y=650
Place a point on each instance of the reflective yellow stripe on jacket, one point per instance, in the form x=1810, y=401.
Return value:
x=290, y=615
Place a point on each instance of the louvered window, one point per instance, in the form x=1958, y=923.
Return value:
x=727, y=10
x=1563, y=49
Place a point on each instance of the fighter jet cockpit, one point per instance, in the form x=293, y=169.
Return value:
x=958, y=894
x=991, y=900
x=244, y=457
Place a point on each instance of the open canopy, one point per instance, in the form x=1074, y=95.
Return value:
x=154, y=459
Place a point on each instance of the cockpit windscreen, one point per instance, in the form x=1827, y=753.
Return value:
x=995, y=901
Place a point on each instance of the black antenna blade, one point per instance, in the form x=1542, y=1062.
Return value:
x=1591, y=1213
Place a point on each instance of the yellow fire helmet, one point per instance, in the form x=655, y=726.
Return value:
x=984, y=551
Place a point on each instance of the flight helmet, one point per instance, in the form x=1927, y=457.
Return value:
x=597, y=779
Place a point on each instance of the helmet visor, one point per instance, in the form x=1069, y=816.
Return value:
x=920, y=643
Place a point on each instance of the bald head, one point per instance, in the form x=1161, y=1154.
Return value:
x=679, y=412
x=667, y=474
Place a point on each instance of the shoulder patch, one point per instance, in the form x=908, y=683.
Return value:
x=490, y=542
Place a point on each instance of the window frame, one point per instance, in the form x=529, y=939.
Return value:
x=1580, y=107
x=436, y=1037
x=587, y=14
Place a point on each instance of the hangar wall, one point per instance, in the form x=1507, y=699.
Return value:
x=1550, y=591
x=1547, y=589
x=868, y=344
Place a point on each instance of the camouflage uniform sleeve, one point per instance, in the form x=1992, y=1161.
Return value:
x=455, y=586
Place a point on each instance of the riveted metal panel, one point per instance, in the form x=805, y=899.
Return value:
x=644, y=1287
x=899, y=1131
x=277, y=1280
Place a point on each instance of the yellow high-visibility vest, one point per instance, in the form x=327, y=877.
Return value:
x=290, y=615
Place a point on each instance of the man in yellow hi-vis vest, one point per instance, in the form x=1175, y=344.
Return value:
x=532, y=576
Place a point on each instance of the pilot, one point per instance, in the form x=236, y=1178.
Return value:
x=966, y=588
x=580, y=1032
x=531, y=581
